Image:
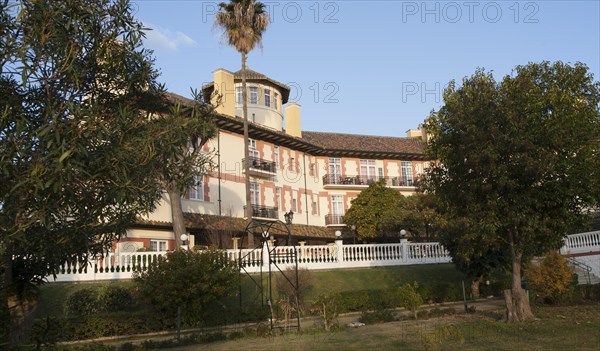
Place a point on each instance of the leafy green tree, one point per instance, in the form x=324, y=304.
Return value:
x=78, y=163
x=420, y=214
x=476, y=254
x=189, y=279
x=409, y=297
x=185, y=128
x=243, y=23
x=517, y=160
x=369, y=209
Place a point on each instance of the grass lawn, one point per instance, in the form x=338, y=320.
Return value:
x=559, y=328
x=384, y=277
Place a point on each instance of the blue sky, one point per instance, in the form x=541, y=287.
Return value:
x=373, y=67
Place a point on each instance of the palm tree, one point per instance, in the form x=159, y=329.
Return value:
x=243, y=23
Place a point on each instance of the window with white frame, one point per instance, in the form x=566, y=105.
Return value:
x=407, y=172
x=335, y=168
x=276, y=156
x=267, y=97
x=254, y=95
x=294, y=205
x=367, y=169
x=239, y=95
x=196, y=192
x=277, y=197
x=254, y=194
x=380, y=172
x=275, y=98
x=252, y=149
x=337, y=205
x=315, y=209
x=158, y=245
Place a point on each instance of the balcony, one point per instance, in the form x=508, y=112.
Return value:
x=261, y=167
x=334, y=220
x=264, y=212
x=336, y=181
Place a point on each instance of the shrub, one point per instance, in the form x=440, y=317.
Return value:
x=551, y=279
x=82, y=302
x=187, y=278
x=47, y=331
x=376, y=317
x=353, y=301
x=113, y=298
x=410, y=298
x=287, y=291
x=50, y=331
x=327, y=306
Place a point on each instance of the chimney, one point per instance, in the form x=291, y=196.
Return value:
x=292, y=120
x=414, y=133
x=224, y=86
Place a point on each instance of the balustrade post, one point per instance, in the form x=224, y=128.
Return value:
x=404, y=248
x=564, y=248
x=266, y=258
x=340, y=250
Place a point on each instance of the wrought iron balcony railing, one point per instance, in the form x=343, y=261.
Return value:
x=329, y=179
x=264, y=211
x=260, y=164
x=332, y=219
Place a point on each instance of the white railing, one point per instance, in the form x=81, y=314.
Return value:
x=582, y=242
x=116, y=266
x=110, y=267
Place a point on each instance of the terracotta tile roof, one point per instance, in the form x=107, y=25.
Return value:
x=368, y=143
x=198, y=222
x=326, y=144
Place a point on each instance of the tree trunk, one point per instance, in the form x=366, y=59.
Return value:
x=475, y=287
x=517, y=303
x=176, y=213
x=246, y=151
x=5, y=295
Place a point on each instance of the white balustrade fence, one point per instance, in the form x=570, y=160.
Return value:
x=113, y=266
x=116, y=266
x=582, y=242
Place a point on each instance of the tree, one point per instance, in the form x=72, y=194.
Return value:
x=185, y=130
x=243, y=23
x=552, y=278
x=420, y=214
x=473, y=253
x=410, y=298
x=369, y=209
x=77, y=162
x=516, y=161
x=188, y=279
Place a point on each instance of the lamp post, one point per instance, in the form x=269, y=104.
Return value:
x=184, y=241
x=353, y=227
x=289, y=217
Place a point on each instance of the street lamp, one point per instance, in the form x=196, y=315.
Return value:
x=402, y=233
x=289, y=217
x=338, y=234
x=184, y=238
x=353, y=227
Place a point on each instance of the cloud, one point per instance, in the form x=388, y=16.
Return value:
x=162, y=38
